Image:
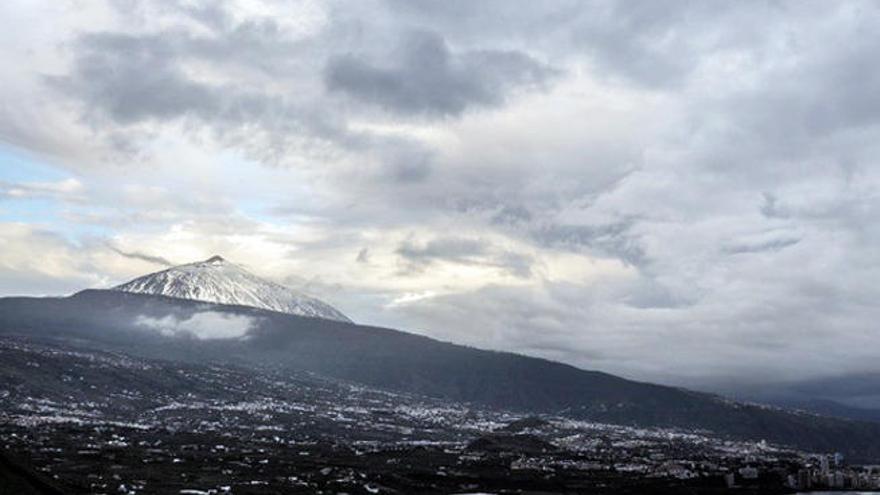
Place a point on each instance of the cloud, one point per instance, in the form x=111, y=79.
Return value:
x=426, y=77
x=770, y=245
x=446, y=248
x=66, y=190
x=128, y=91
x=610, y=239
x=204, y=325
x=37, y=261
x=128, y=86
x=131, y=79
x=589, y=181
x=156, y=260
x=464, y=251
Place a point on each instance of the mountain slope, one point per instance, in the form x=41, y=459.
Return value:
x=219, y=281
x=832, y=408
x=400, y=361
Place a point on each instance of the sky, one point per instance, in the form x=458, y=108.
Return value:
x=678, y=191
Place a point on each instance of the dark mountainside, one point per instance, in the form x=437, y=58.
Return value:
x=399, y=361
x=832, y=408
x=21, y=480
x=109, y=422
x=852, y=396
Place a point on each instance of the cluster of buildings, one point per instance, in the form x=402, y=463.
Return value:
x=830, y=472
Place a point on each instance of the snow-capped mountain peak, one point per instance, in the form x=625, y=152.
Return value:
x=220, y=281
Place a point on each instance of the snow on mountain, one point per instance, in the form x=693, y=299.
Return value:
x=219, y=281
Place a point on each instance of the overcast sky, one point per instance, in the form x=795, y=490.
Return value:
x=666, y=190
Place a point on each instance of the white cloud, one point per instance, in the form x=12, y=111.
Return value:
x=204, y=325
x=69, y=189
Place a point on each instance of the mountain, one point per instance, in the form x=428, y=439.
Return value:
x=851, y=395
x=219, y=281
x=831, y=408
x=175, y=329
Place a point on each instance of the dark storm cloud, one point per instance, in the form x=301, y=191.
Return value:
x=128, y=85
x=259, y=44
x=134, y=79
x=131, y=79
x=424, y=76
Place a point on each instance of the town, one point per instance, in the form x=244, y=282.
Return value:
x=113, y=423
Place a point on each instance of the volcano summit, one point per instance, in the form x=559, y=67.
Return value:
x=219, y=281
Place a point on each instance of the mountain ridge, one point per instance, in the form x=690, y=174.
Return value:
x=216, y=280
